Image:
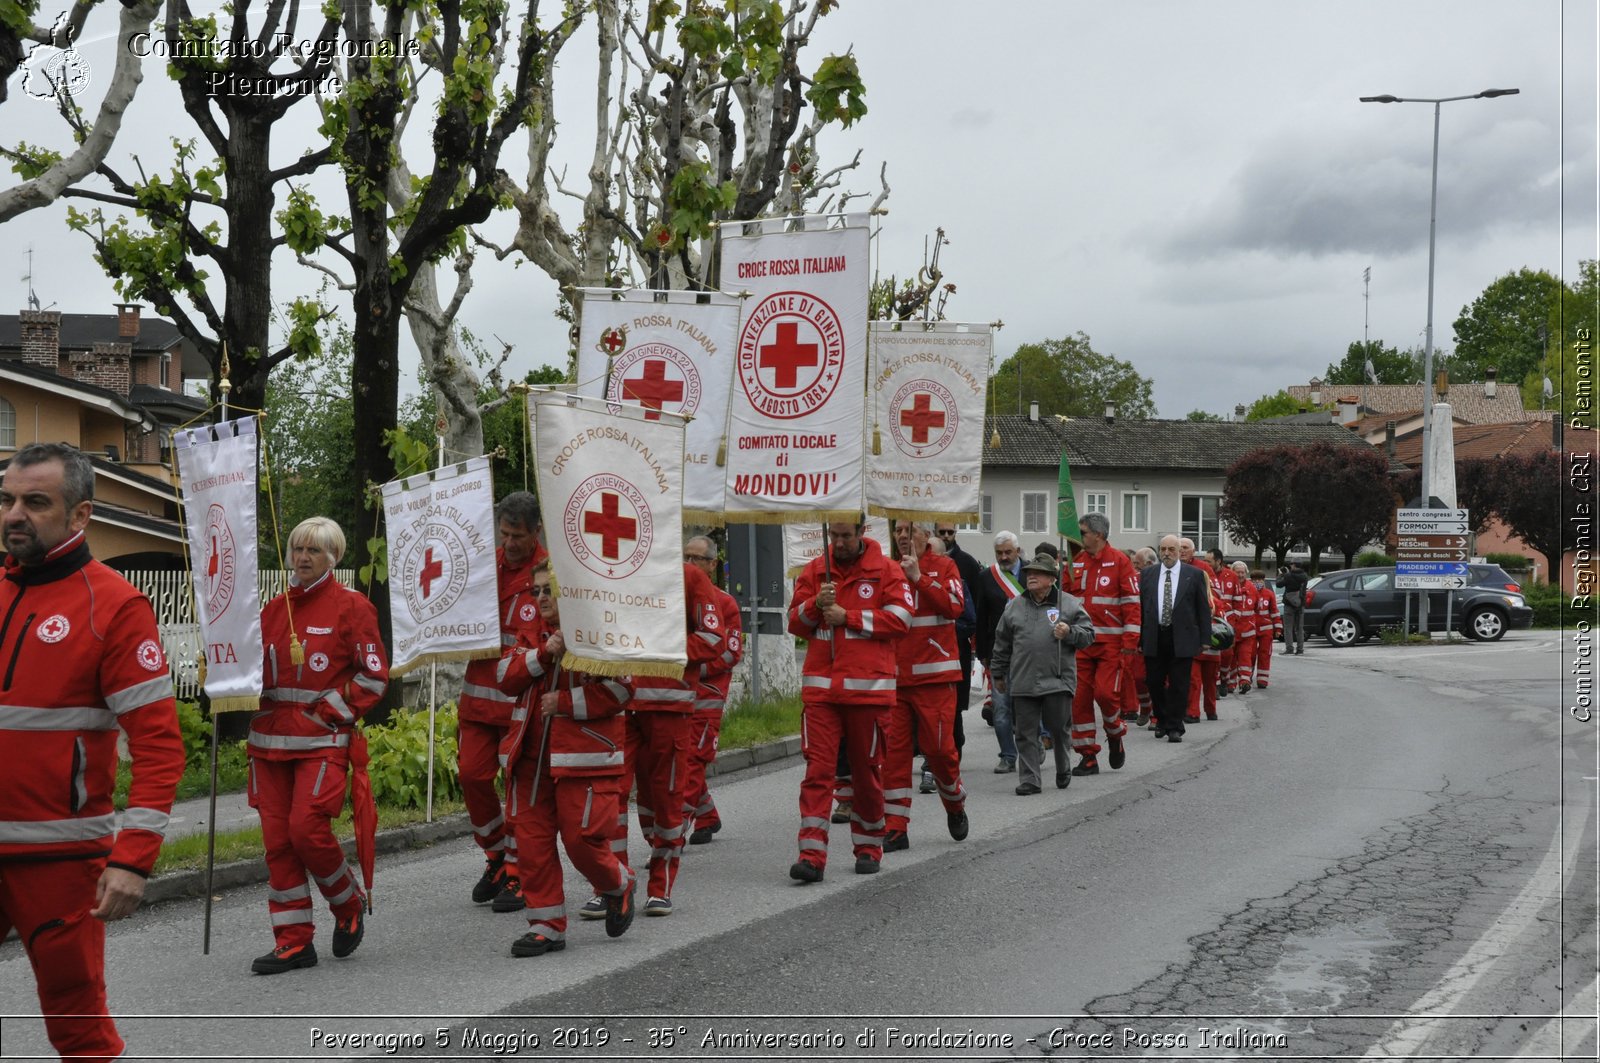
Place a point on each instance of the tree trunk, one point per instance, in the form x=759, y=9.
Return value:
x=375, y=389
x=247, y=317
x=455, y=382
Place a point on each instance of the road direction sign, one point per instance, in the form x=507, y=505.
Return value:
x=1430, y=514
x=1413, y=554
x=1429, y=568
x=1432, y=542
x=1430, y=583
x=1430, y=527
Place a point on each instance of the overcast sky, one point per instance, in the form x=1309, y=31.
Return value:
x=1192, y=184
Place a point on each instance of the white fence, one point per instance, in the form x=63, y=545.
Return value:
x=171, y=595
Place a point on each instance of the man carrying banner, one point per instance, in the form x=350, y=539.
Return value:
x=699, y=810
x=85, y=660
x=563, y=755
x=484, y=713
x=850, y=603
x=1104, y=580
x=925, y=708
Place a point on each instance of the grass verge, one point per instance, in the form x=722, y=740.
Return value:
x=766, y=721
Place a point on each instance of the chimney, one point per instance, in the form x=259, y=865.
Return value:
x=1111, y=411
x=1239, y=411
x=41, y=338
x=1488, y=383
x=1349, y=411
x=1033, y=411
x=1388, y=439
x=128, y=321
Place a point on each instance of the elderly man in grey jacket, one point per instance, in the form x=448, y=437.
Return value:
x=1035, y=663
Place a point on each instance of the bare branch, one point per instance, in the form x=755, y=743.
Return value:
x=338, y=281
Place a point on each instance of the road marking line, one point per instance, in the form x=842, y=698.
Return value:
x=1553, y=1027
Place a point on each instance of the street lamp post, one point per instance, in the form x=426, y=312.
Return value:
x=1433, y=217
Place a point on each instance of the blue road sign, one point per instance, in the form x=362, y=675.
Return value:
x=1429, y=568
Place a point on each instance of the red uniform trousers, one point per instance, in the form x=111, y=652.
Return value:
x=924, y=717
x=48, y=903
x=657, y=750
x=1203, y=684
x=478, y=767
x=1100, y=679
x=582, y=810
x=821, y=726
x=297, y=800
x=699, y=810
x=1245, y=654
x=1135, y=692
x=1264, y=643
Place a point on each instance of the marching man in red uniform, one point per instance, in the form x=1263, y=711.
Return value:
x=483, y=716
x=564, y=758
x=1208, y=662
x=1269, y=627
x=1246, y=607
x=325, y=668
x=929, y=664
x=851, y=603
x=1227, y=588
x=699, y=810
x=1105, y=581
x=84, y=659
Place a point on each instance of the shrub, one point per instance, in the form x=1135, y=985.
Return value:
x=398, y=750
x=1373, y=559
x=1546, y=601
x=1510, y=562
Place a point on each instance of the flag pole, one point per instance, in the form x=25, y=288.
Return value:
x=225, y=386
x=433, y=668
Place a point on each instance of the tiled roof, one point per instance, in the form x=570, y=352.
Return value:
x=1467, y=401
x=1483, y=441
x=1149, y=444
x=80, y=332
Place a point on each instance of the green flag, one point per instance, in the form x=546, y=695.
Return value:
x=1066, y=505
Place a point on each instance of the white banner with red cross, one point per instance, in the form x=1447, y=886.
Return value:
x=804, y=543
x=929, y=381
x=667, y=351
x=444, y=594
x=611, y=490
x=798, y=403
x=217, y=470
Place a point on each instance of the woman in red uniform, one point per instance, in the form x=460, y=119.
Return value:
x=325, y=667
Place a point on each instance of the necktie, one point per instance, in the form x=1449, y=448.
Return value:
x=1166, y=597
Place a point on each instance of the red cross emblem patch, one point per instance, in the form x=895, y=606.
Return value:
x=53, y=629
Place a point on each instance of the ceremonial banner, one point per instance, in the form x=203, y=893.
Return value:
x=804, y=542
x=929, y=380
x=671, y=351
x=795, y=441
x=217, y=468
x=611, y=488
x=444, y=594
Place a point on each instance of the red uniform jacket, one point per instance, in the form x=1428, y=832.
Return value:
x=1108, y=586
x=310, y=709
x=586, y=733
x=1244, y=610
x=481, y=700
x=928, y=653
x=705, y=645
x=853, y=664
x=1268, y=619
x=718, y=674
x=80, y=657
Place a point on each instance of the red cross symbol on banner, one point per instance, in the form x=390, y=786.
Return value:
x=788, y=355
x=613, y=341
x=653, y=389
x=431, y=570
x=610, y=526
x=920, y=417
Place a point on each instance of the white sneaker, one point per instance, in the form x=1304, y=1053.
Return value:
x=593, y=908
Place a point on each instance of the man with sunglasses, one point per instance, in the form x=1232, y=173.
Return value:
x=698, y=807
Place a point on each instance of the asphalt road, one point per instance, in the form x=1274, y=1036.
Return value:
x=1390, y=853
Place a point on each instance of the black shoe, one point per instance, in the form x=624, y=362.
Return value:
x=1027, y=789
x=928, y=784
x=532, y=944
x=1063, y=779
x=619, y=912
x=1087, y=766
x=866, y=865
x=805, y=871
x=957, y=821
x=1222, y=691
x=1174, y=738
x=285, y=958
x=895, y=841
x=347, y=935
x=509, y=899
x=702, y=835
x=1158, y=732
x=488, y=884
x=1119, y=756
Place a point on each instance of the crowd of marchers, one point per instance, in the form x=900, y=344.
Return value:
x=549, y=755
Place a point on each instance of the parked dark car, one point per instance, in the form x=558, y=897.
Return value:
x=1352, y=604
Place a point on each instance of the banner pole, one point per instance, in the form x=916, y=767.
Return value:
x=755, y=619
x=433, y=669
x=224, y=385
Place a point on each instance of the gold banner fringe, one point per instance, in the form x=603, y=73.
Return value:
x=825, y=516
x=240, y=703
x=593, y=666
x=443, y=658
x=709, y=517
x=922, y=515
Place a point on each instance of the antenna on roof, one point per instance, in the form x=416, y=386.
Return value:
x=33, y=300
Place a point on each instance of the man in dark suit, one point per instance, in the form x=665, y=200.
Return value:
x=970, y=569
x=1175, y=627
